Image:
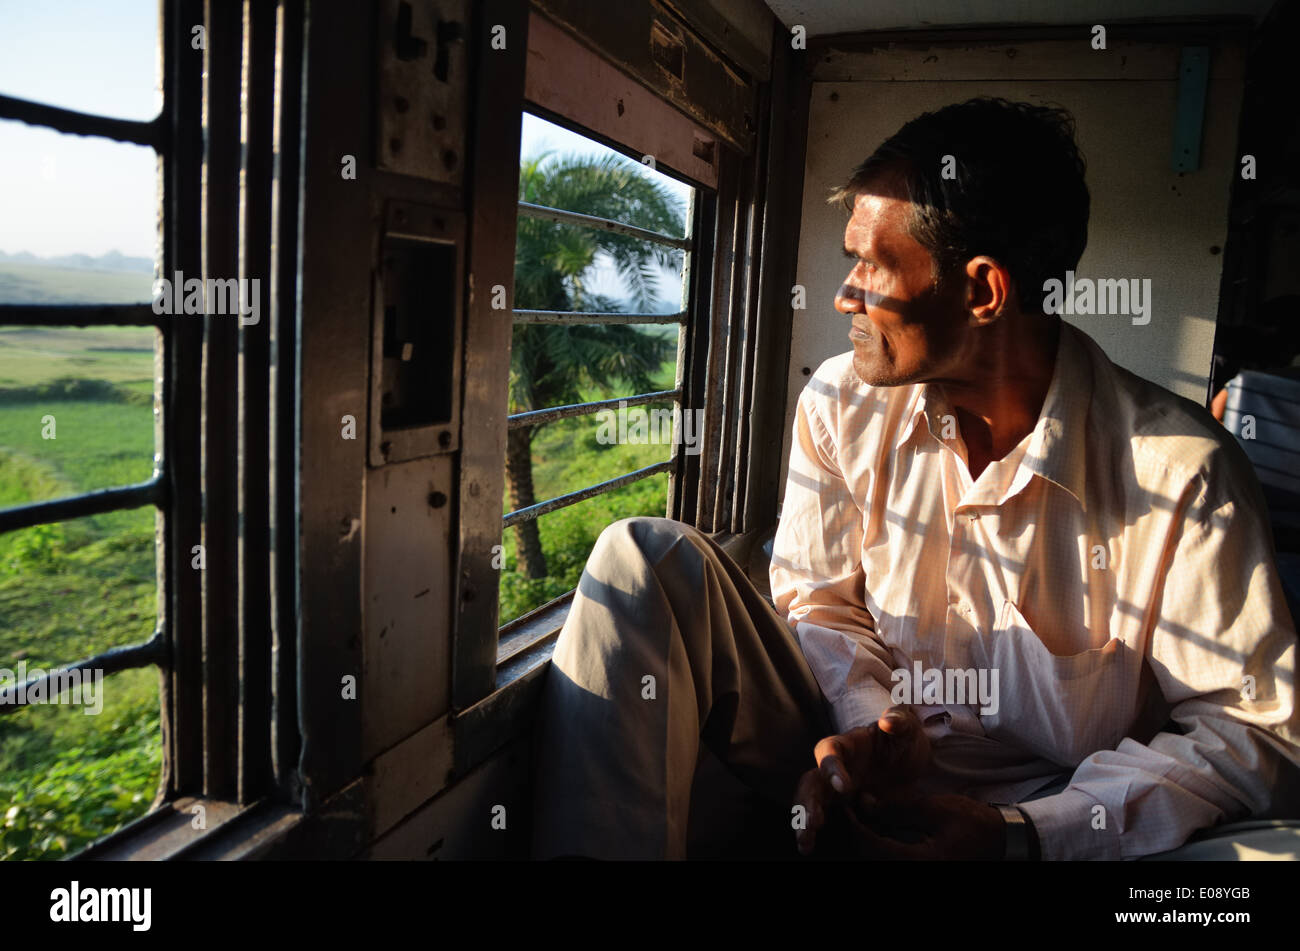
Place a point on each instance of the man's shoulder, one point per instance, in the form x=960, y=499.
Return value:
x=1165, y=429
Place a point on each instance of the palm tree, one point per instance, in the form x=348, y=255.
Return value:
x=551, y=364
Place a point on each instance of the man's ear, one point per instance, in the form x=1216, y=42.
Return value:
x=988, y=290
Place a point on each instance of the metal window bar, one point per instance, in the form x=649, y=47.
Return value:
x=80, y=315
x=549, y=415
x=573, y=498
x=530, y=210
x=98, y=502
x=537, y=417
x=115, y=659
x=153, y=133
x=591, y=317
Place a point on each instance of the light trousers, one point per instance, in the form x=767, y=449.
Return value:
x=671, y=664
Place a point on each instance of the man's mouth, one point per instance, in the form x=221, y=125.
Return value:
x=857, y=333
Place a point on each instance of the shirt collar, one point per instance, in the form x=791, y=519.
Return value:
x=921, y=402
x=1058, y=442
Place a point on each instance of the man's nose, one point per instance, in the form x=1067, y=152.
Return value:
x=850, y=300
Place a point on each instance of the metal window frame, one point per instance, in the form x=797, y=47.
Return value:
x=481, y=689
x=688, y=245
x=157, y=135
x=225, y=638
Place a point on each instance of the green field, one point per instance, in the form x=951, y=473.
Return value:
x=31, y=356
x=72, y=589
x=36, y=283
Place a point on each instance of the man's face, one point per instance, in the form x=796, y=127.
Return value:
x=903, y=330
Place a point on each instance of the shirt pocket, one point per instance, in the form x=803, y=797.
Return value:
x=1060, y=707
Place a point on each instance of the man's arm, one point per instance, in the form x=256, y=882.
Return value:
x=1223, y=652
x=817, y=578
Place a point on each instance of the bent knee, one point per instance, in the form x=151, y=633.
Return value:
x=644, y=535
x=639, y=539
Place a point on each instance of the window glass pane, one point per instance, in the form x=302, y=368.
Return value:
x=86, y=55
x=76, y=411
x=78, y=218
x=565, y=539
x=74, y=770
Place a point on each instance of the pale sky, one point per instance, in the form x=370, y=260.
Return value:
x=62, y=194
x=66, y=194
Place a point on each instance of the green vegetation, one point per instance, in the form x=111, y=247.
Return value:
x=554, y=365
x=568, y=457
x=71, y=589
x=32, y=356
x=37, y=283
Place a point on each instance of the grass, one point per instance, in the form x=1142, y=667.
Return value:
x=568, y=456
x=34, y=283
x=30, y=356
x=72, y=589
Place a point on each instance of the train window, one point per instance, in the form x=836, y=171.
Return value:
x=601, y=292
x=80, y=437
x=136, y=379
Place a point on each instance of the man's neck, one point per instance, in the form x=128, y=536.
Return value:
x=1002, y=407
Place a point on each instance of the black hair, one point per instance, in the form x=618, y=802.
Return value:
x=1013, y=188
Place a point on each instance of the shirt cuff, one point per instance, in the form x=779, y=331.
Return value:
x=860, y=705
x=1073, y=825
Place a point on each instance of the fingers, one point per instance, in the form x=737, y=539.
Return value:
x=897, y=720
x=835, y=756
x=814, y=796
x=888, y=753
x=903, y=747
x=857, y=766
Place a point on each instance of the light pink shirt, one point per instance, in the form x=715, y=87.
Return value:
x=1115, y=570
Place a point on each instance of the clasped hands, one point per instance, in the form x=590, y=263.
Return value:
x=858, y=800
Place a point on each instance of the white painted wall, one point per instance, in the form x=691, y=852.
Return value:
x=1147, y=221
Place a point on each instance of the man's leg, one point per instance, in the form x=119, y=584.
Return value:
x=667, y=645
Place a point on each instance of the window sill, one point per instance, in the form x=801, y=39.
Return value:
x=231, y=832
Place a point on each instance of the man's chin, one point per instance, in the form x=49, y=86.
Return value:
x=872, y=373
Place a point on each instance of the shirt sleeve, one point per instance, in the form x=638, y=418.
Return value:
x=818, y=582
x=1223, y=652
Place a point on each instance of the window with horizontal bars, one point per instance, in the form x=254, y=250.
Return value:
x=596, y=422
x=82, y=454
x=139, y=451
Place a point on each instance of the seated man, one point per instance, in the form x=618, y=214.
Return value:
x=1016, y=573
